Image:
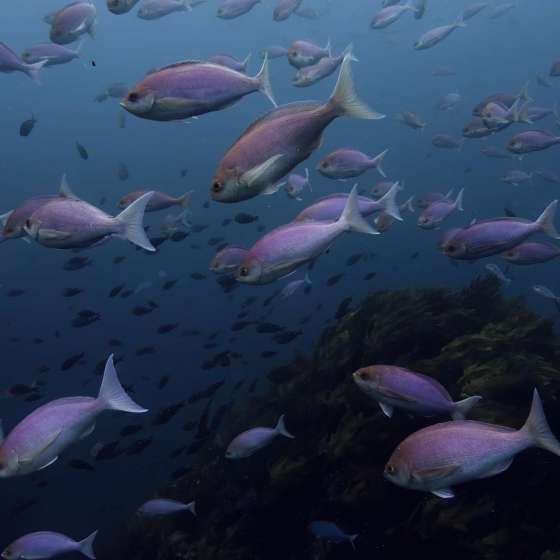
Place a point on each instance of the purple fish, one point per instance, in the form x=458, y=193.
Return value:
x=473, y=9
x=395, y=387
x=286, y=248
x=284, y=9
x=495, y=152
x=440, y=456
x=516, y=176
x=448, y=101
x=10, y=62
x=46, y=544
x=381, y=188
x=346, y=163
x=383, y=221
x=535, y=114
x=51, y=53
x=305, y=53
x=276, y=143
x=155, y=9
x=228, y=259
x=119, y=7
x=249, y=442
x=230, y=61
x=329, y=208
x=71, y=223
x=230, y=9
x=497, y=235
x=446, y=142
x=71, y=22
x=274, y=51
x=292, y=287
x=331, y=533
x=531, y=252
x=388, y=15
x=427, y=199
x=532, y=141
x=187, y=89
x=296, y=183
x=438, y=34
x=476, y=128
x=155, y=508
x=158, y=201
x=309, y=75
x=411, y=119
x=439, y=210
x=548, y=175
x=555, y=69
x=507, y=99
x=38, y=440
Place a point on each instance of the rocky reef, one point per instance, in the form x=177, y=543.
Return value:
x=474, y=342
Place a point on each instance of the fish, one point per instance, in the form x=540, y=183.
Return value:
x=230, y=9
x=305, y=53
x=27, y=126
x=230, y=61
x=346, y=163
x=396, y=387
x=295, y=184
x=245, y=218
x=274, y=51
x=443, y=455
x=494, y=236
x=10, y=62
x=119, y=7
x=516, y=176
x=158, y=201
x=121, y=171
x=437, y=34
x=501, y=9
x=554, y=71
x=82, y=151
x=292, y=287
x=71, y=22
x=410, y=119
x=70, y=223
x=155, y=9
x=276, y=143
x=38, y=440
x=439, y=210
x=288, y=247
x=389, y=15
x=47, y=544
x=495, y=270
x=248, y=443
x=331, y=533
x=446, y=142
x=530, y=141
x=543, y=81
x=164, y=507
x=227, y=259
x=330, y=207
x=51, y=53
x=192, y=88
x=309, y=75
x=419, y=7
x=308, y=13
x=284, y=9
x=506, y=99
x=473, y=9
x=476, y=128
x=547, y=293
x=531, y=252
x=443, y=72
x=448, y=101
x=495, y=152
x=548, y=175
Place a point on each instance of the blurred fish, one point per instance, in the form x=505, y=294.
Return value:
x=543, y=81
x=389, y=15
x=274, y=51
x=410, y=119
x=292, y=287
x=346, y=163
x=27, y=126
x=554, y=71
x=434, y=36
x=80, y=465
x=331, y=533
x=230, y=9
x=438, y=457
x=476, y=128
x=46, y=544
x=304, y=53
x=495, y=270
x=51, y=53
x=548, y=175
x=249, y=442
x=446, y=142
x=276, y=143
x=516, y=176
x=120, y=7
x=155, y=9
x=121, y=171
x=502, y=9
x=82, y=151
x=158, y=201
x=227, y=260
x=448, y=101
x=245, y=218
x=473, y=9
x=531, y=252
x=309, y=75
x=230, y=61
x=163, y=507
x=419, y=7
x=284, y=9
x=295, y=184
x=443, y=72
x=532, y=141
x=495, y=152
x=308, y=13
x=547, y=293
x=71, y=22
x=439, y=210
x=10, y=62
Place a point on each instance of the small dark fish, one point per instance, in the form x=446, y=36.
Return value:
x=126, y=293
x=107, y=451
x=334, y=279
x=163, y=382
x=77, y=263
x=353, y=259
x=169, y=284
x=82, y=151
x=71, y=361
x=269, y=328
x=85, y=318
x=244, y=218
x=370, y=275
x=343, y=308
x=119, y=259
x=179, y=236
x=15, y=292
x=80, y=465
x=138, y=446
x=27, y=126
x=167, y=328
x=206, y=393
x=286, y=337
x=141, y=310
x=184, y=172
x=509, y=213
x=116, y=290
x=122, y=171
x=131, y=429
x=71, y=292
x=165, y=414
x=19, y=389
x=198, y=276
x=415, y=255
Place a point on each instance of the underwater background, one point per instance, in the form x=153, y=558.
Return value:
x=410, y=305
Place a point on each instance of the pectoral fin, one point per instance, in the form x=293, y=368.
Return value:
x=387, y=410
x=176, y=104
x=435, y=473
x=445, y=493
x=53, y=234
x=497, y=469
x=257, y=172
x=394, y=395
x=49, y=463
x=40, y=451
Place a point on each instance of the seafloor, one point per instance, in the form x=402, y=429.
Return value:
x=474, y=342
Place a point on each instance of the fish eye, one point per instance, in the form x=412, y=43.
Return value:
x=451, y=248
x=216, y=186
x=244, y=271
x=133, y=97
x=28, y=224
x=390, y=469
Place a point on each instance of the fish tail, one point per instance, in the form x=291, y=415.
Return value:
x=65, y=190
x=32, y=70
x=185, y=200
x=460, y=22
x=192, y=508
x=537, y=429
x=408, y=205
x=86, y=546
x=351, y=217
x=524, y=93
x=131, y=221
x=377, y=162
x=112, y=395
x=546, y=220
x=389, y=202
x=344, y=100
x=349, y=52
x=462, y=408
x=263, y=79
x=459, y=201
x=281, y=428
x=352, y=540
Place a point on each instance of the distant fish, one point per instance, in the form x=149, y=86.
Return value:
x=446, y=142
x=158, y=201
x=119, y=7
x=164, y=507
x=331, y=533
x=439, y=210
x=231, y=62
x=531, y=252
x=346, y=163
x=249, y=442
x=448, y=101
x=548, y=175
x=495, y=152
x=51, y=53
x=27, y=126
x=543, y=81
x=443, y=72
x=305, y=53
x=10, y=62
x=69, y=23
x=411, y=119
x=389, y=15
x=230, y=9
x=516, y=177
x=82, y=151
x=434, y=36
x=284, y=9
x=473, y=9
x=274, y=51
x=155, y=9
x=292, y=287
x=502, y=9
x=121, y=170
x=309, y=75
x=547, y=293
x=497, y=272
x=46, y=544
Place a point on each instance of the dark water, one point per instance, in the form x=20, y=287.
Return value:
x=488, y=56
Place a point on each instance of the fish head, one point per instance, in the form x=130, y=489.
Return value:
x=32, y=227
x=9, y=553
x=249, y=271
x=425, y=221
x=397, y=471
x=61, y=36
x=451, y=244
x=138, y=101
x=367, y=379
x=227, y=185
x=9, y=464
x=514, y=146
x=118, y=6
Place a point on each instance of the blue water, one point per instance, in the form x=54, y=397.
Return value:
x=488, y=56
